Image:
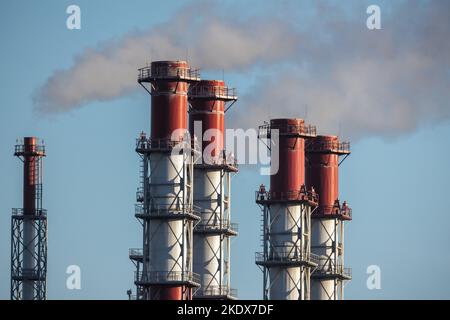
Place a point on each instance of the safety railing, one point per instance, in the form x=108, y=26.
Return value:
x=135, y=252
x=328, y=146
x=216, y=291
x=149, y=143
x=264, y=131
x=222, y=160
x=344, y=211
x=166, y=276
x=301, y=195
x=140, y=194
x=167, y=72
x=19, y=212
x=38, y=150
x=286, y=254
x=209, y=91
x=225, y=224
x=327, y=267
x=166, y=209
x=144, y=144
x=32, y=274
x=347, y=272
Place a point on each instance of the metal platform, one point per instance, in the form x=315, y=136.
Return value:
x=212, y=92
x=280, y=259
x=172, y=213
x=225, y=227
x=290, y=197
x=216, y=293
x=169, y=278
x=147, y=74
x=332, y=273
x=292, y=131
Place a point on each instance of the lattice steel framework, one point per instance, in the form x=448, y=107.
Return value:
x=216, y=225
x=331, y=267
x=295, y=260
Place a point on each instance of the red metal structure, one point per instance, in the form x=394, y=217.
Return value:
x=322, y=174
x=208, y=99
x=30, y=154
x=168, y=96
x=212, y=197
x=291, y=172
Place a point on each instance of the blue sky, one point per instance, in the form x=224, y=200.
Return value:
x=396, y=179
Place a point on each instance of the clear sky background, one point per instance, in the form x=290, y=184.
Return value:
x=396, y=179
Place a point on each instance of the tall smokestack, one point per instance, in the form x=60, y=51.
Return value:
x=322, y=174
x=166, y=203
x=29, y=228
x=286, y=260
x=212, y=186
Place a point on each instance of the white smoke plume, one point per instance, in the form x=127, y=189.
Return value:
x=343, y=77
x=354, y=82
x=110, y=70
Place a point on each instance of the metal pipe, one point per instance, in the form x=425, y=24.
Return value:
x=29, y=208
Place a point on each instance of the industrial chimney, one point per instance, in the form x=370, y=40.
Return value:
x=322, y=174
x=165, y=198
x=29, y=228
x=212, y=189
x=286, y=260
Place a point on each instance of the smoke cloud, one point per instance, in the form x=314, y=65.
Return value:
x=355, y=82
x=332, y=70
x=214, y=43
